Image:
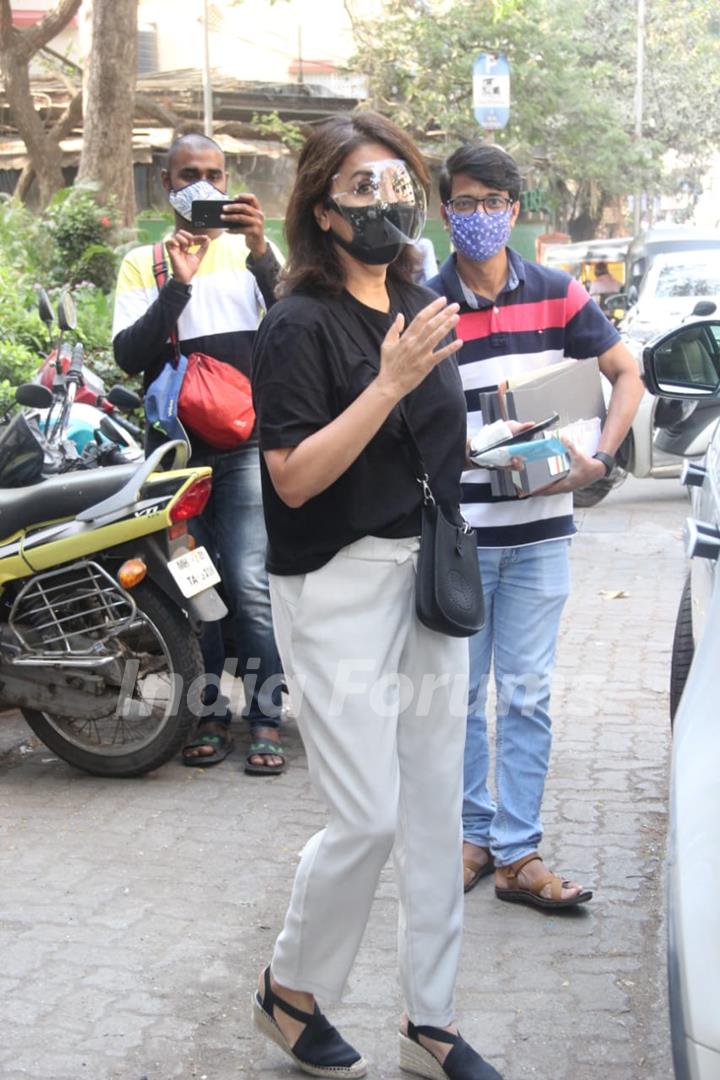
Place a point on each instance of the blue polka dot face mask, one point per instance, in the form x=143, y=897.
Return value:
x=479, y=236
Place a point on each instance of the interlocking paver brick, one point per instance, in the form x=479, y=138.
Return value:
x=135, y=915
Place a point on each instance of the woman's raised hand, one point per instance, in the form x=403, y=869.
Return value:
x=407, y=357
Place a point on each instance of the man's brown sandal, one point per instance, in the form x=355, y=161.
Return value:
x=472, y=872
x=516, y=894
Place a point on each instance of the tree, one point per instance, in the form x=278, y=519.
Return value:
x=17, y=48
x=573, y=73
x=106, y=160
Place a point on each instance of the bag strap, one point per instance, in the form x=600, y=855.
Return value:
x=160, y=273
x=423, y=476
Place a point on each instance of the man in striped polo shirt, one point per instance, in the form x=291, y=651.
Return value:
x=516, y=317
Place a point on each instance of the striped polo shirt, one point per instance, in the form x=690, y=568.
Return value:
x=540, y=317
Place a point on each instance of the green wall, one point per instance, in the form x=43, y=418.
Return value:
x=523, y=235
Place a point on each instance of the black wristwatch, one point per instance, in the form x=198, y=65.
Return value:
x=608, y=461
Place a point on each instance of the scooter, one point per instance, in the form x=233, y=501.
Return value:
x=102, y=594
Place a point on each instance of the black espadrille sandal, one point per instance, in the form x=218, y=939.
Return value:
x=462, y=1063
x=320, y=1050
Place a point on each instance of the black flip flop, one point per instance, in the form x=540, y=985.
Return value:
x=267, y=749
x=222, y=744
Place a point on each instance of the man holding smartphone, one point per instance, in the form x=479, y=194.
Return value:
x=515, y=317
x=218, y=284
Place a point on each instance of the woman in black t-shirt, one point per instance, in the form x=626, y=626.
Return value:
x=380, y=699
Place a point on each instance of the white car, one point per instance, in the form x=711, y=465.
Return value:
x=678, y=286
x=685, y=365
x=670, y=291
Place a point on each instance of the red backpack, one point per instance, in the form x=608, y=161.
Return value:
x=215, y=399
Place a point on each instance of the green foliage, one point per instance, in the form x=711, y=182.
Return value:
x=284, y=131
x=94, y=330
x=25, y=243
x=83, y=233
x=23, y=337
x=572, y=86
x=68, y=245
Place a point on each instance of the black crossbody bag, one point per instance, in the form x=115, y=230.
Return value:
x=448, y=587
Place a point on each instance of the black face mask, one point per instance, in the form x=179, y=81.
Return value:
x=379, y=235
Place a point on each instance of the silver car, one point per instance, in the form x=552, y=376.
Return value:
x=685, y=365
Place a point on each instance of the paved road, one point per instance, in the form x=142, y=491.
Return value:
x=134, y=915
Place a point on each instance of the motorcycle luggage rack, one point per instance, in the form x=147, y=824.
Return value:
x=70, y=612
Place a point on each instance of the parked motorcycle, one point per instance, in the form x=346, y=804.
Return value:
x=90, y=419
x=101, y=598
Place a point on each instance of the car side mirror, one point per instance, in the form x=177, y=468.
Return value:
x=703, y=308
x=632, y=295
x=684, y=363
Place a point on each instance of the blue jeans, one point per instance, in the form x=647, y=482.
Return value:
x=525, y=590
x=232, y=528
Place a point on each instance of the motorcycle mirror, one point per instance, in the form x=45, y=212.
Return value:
x=703, y=308
x=123, y=398
x=34, y=396
x=67, y=313
x=110, y=431
x=45, y=310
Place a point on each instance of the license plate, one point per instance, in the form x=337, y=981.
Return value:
x=193, y=571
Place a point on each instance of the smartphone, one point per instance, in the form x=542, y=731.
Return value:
x=522, y=436
x=205, y=214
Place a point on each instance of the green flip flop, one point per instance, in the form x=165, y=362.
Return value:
x=222, y=745
x=263, y=746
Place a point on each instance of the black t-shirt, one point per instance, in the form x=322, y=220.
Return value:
x=313, y=357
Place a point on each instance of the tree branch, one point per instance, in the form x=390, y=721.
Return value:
x=24, y=180
x=6, y=26
x=64, y=60
x=37, y=36
x=149, y=107
x=69, y=119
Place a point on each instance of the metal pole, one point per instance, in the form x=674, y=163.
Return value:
x=207, y=85
x=639, y=70
x=300, y=60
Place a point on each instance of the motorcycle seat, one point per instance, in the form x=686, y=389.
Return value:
x=59, y=497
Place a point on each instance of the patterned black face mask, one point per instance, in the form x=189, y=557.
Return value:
x=379, y=232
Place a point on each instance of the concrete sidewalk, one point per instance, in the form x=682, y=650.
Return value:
x=135, y=915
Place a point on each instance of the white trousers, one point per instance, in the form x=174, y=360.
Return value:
x=380, y=702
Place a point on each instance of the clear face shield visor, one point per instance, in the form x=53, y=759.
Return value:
x=382, y=201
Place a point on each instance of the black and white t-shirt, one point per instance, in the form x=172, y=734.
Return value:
x=313, y=357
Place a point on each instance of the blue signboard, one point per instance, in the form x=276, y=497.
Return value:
x=491, y=91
